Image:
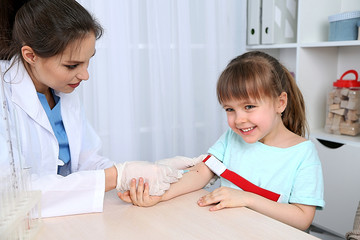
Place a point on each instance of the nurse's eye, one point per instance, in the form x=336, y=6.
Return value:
x=72, y=66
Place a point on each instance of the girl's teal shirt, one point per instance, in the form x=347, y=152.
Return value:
x=294, y=172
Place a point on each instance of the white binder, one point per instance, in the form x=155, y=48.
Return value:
x=279, y=21
x=253, y=22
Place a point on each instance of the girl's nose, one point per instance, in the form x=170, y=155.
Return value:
x=240, y=118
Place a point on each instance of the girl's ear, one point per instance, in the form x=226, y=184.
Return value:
x=28, y=54
x=282, y=103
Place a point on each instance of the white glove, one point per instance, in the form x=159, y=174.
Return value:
x=158, y=176
x=180, y=162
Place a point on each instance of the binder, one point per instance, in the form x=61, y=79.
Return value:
x=279, y=21
x=253, y=22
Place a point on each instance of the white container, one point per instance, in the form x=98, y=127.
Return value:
x=279, y=21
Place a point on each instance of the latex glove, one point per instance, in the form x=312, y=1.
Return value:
x=180, y=162
x=158, y=176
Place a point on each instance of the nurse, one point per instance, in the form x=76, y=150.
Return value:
x=45, y=52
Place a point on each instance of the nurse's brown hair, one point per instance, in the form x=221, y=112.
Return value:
x=257, y=75
x=47, y=26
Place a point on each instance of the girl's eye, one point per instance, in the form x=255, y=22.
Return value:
x=229, y=109
x=249, y=107
x=71, y=66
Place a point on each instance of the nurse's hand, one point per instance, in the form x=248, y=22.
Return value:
x=139, y=196
x=158, y=176
x=181, y=162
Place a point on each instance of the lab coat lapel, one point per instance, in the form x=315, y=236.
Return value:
x=71, y=119
x=23, y=94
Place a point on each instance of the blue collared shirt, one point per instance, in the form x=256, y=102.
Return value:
x=54, y=116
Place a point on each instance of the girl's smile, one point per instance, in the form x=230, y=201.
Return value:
x=247, y=130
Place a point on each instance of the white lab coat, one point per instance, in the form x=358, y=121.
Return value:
x=83, y=190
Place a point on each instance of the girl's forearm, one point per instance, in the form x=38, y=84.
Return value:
x=110, y=178
x=197, y=177
x=296, y=215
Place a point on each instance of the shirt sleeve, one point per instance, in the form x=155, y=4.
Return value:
x=77, y=193
x=218, y=149
x=308, y=187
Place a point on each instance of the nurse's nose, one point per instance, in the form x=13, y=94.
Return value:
x=83, y=74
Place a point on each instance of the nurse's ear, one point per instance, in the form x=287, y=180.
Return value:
x=28, y=54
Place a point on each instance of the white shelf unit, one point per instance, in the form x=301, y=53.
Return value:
x=317, y=63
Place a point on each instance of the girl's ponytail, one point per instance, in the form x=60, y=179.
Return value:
x=294, y=115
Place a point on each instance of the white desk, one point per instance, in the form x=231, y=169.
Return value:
x=179, y=218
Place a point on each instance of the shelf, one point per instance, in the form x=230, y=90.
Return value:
x=348, y=140
x=306, y=45
x=317, y=63
x=331, y=44
x=272, y=46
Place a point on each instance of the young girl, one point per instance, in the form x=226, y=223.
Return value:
x=46, y=49
x=265, y=145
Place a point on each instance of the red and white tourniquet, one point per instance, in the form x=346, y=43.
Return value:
x=220, y=169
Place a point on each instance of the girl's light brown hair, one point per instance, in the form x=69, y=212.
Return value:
x=258, y=75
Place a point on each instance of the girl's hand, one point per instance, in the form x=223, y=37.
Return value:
x=139, y=196
x=224, y=197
